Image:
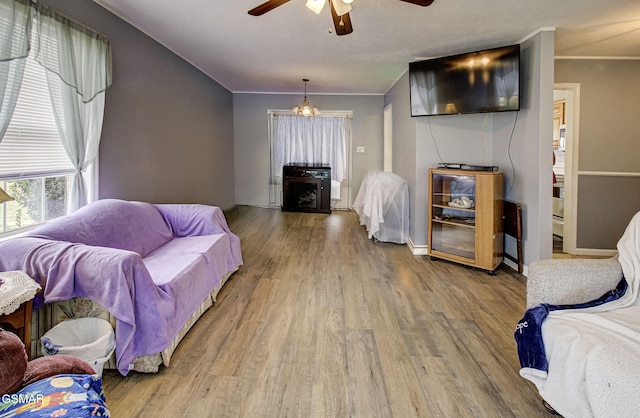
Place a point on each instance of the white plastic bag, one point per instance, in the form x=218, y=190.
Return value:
x=90, y=339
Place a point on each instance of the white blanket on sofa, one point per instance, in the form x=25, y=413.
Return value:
x=594, y=353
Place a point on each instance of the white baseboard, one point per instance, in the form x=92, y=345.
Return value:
x=417, y=249
x=525, y=268
x=595, y=251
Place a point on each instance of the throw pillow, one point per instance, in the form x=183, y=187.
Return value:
x=13, y=362
x=47, y=366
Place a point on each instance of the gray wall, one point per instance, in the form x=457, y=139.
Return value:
x=404, y=144
x=529, y=181
x=168, y=128
x=608, y=181
x=421, y=143
x=252, y=138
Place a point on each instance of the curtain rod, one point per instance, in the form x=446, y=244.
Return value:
x=324, y=114
x=51, y=12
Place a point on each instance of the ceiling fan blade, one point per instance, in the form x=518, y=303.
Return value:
x=265, y=7
x=341, y=23
x=422, y=3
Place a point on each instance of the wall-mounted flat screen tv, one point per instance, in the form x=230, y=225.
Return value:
x=475, y=82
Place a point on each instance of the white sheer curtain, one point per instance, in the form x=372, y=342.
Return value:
x=15, y=29
x=302, y=139
x=78, y=63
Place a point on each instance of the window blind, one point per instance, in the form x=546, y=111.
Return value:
x=31, y=146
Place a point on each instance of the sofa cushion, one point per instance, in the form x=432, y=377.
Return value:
x=187, y=270
x=132, y=226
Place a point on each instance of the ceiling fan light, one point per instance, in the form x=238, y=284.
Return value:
x=340, y=7
x=347, y=1
x=315, y=5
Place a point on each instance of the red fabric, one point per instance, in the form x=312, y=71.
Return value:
x=16, y=371
x=13, y=362
x=44, y=367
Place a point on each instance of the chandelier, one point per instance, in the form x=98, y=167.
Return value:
x=305, y=108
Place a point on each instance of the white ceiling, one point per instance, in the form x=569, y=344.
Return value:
x=273, y=52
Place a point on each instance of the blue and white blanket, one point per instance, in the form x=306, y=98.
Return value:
x=528, y=333
x=585, y=359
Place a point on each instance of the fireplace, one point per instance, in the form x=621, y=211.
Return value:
x=306, y=188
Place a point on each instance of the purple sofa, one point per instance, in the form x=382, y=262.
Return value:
x=150, y=266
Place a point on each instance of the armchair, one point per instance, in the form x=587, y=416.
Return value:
x=579, y=341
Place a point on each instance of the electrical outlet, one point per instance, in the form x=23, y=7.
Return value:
x=360, y=149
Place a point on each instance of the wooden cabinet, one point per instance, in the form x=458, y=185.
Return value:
x=18, y=290
x=465, y=217
x=19, y=322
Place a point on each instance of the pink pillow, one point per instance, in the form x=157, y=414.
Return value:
x=13, y=362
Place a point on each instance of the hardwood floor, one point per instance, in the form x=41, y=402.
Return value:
x=322, y=322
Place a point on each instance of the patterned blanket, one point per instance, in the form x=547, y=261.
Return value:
x=64, y=395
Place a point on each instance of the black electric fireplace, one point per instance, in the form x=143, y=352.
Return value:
x=306, y=188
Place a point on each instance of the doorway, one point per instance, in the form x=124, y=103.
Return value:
x=565, y=149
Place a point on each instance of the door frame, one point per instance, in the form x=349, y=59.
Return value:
x=387, y=149
x=571, y=153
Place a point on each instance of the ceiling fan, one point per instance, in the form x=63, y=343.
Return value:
x=339, y=11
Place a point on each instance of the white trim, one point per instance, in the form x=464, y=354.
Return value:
x=94, y=180
x=387, y=140
x=323, y=113
x=396, y=82
x=570, y=57
x=609, y=173
x=537, y=31
x=35, y=175
x=525, y=268
x=595, y=252
x=417, y=249
x=310, y=95
x=569, y=240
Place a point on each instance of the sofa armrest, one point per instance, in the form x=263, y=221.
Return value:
x=194, y=219
x=570, y=281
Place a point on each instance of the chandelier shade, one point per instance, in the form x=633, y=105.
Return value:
x=342, y=7
x=305, y=108
x=315, y=6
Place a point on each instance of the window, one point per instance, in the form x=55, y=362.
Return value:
x=50, y=145
x=322, y=139
x=34, y=168
x=36, y=200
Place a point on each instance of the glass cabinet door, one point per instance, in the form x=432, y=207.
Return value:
x=453, y=214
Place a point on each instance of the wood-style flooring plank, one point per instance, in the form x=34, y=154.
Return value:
x=321, y=321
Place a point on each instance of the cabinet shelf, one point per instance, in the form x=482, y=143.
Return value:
x=471, y=236
x=465, y=223
x=445, y=206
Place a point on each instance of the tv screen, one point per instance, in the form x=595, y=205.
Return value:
x=475, y=82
